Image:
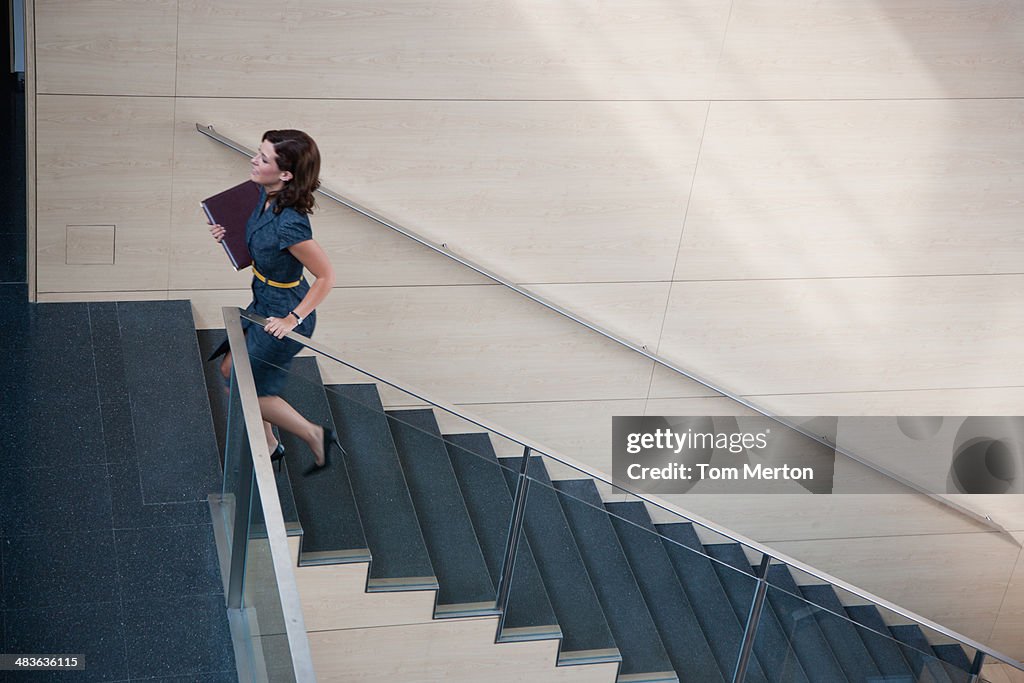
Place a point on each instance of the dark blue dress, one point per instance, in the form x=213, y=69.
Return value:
x=268, y=236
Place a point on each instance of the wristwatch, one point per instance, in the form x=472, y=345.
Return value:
x=297, y=317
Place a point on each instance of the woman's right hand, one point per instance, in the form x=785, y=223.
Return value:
x=217, y=231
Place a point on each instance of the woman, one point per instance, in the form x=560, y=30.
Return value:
x=280, y=241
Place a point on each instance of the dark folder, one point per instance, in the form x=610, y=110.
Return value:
x=231, y=209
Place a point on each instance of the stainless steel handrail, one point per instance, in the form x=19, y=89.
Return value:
x=443, y=249
x=664, y=505
x=277, y=535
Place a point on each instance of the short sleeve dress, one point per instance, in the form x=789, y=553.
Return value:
x=281, y=288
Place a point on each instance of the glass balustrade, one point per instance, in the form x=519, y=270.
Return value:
x=437, y=499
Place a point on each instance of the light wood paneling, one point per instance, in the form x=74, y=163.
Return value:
x=961, y=587
x=474, y=344
x=106, y=47
x=1010, y=620
x=457, y=650
x=832, y=189
x=334, y=597
x=363, y=252
x=90, y=244
x=541, y=192
x=987, y=401
x=578, y=429
x=32, y=224
x=996, y=672
x=152, y=295
x=104, y=161
x=847, y=335
x=451, y=49
x=630, y=310
x=784, y=517
x=836, y=49
x=466, y=344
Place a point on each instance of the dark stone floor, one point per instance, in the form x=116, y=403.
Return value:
x=106, y=540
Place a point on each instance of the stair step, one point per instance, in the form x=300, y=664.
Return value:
x=797, y=617
x=677, y=618
x=643, y=654
x=465, y=587
x=921, y=656
x=217, y=393
x=585, y=633
x=842, y=635
x=884, y=649
x=773, y=649
x=953, y=654
x=400, y=558
x=699, y=584
x=332, y=530
x=529, y=615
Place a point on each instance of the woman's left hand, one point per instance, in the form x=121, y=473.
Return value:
x=279, y=327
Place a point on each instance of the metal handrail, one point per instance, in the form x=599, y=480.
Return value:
x=443, y=249
x=531, y=446
x=277, y=535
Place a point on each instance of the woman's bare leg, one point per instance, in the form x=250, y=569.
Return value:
x=278, y=412
x=268, y=428
x=225, y=366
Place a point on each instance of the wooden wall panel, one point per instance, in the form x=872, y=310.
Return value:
x=451, y=49
x=832, y=189
x=848, y=335
x=453, y=651
x=363, y=252
x=541, y=191
x=476, y=176
x=106, y=47
x=104, y=161
x=833, y=49
x=1009, y=622
x=633, y=311
x=468, y=344
x=997, y=672
x=31, y=189
x=778, y=518
x=982, y=401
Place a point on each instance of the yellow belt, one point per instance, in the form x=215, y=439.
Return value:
x=282, y=285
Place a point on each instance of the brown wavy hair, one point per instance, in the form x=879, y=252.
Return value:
x=297, y=153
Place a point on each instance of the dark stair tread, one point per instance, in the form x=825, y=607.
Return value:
x=679, y=622
x=953, y=654
x=797, y=617
x=465, y=586
x=400, y=558
x=772, y=647
x=842, y=635
x=701, y=586
x=529, y=615
x=573, y=598
x=921, y=656
x=175, y=442
x=643, y=654
x=332, y=529
x=209, y=340
x=884, y=649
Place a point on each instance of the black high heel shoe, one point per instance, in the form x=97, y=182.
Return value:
x=278, y=456
x=330, y=439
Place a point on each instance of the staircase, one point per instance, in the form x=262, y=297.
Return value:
x=424, y=518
